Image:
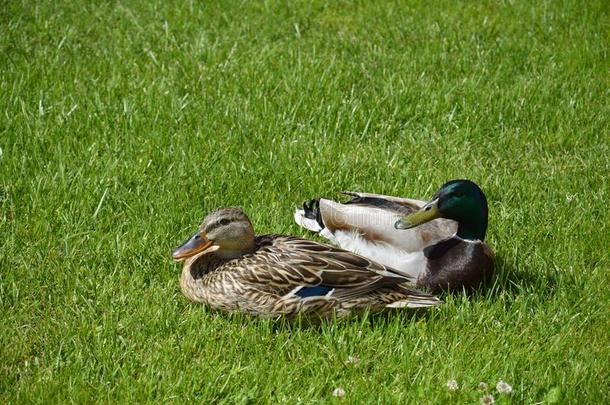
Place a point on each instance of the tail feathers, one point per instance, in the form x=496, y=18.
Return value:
x=417, y=300
x=352, y=194
x=309, y=216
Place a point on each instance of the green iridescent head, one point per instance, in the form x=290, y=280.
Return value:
x=460, y=200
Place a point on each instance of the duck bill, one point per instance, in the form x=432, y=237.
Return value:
x=426, y=213
x=195, y=245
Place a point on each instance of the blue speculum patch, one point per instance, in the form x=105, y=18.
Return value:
x=317, y=291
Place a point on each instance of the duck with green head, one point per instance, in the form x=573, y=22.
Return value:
x=439, y=244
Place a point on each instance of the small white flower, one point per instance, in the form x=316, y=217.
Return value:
x=452, y=385
x=503, y=388
x=339, y=392
x=483, y=386
x=352, y=360
x=487, y=399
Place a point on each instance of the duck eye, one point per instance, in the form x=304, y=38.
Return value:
x=224, y=221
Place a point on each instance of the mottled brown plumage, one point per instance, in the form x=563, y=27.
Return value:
x=229, y=269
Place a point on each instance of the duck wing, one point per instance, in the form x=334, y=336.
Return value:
x=314, y=270
x=289, y=262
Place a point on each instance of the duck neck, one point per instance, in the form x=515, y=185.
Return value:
x=193, y=275
x=474, y=227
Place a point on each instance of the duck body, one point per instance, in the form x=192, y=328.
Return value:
x=286, y=276
x=443, y=249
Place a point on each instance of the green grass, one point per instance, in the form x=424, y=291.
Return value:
x=123, y=123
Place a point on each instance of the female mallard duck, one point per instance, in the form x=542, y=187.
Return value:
x=444, y=246
x=230, y=269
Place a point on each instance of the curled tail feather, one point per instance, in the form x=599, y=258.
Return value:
x=309, y=216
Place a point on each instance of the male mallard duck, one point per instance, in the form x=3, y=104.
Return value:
x=228, y=268
x=444, y=246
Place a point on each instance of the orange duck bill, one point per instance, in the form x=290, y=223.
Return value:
x=197, y=244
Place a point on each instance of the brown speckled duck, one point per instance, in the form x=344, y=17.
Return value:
x=440, y=243
x=229, y=268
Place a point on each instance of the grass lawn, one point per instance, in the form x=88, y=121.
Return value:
x=123, y=123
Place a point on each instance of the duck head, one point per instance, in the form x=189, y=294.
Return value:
x=228, y=232
x=460, y=200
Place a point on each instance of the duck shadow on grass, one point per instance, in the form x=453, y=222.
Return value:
x=369, y=319
x=508, y=279
x=357, y=320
